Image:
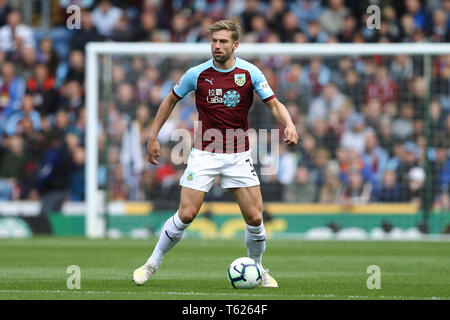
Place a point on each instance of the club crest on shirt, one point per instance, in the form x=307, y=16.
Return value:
x=239, y=79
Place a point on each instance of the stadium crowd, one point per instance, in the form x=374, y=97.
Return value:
x=366, y=135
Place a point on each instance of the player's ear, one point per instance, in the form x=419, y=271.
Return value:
x=236, y=45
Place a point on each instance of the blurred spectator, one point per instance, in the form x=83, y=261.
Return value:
x=201, y=33
x=402, y=70
x=330, y=189
x=348, y=29
x=77, y=175
x=274, y=15
x=440, y=170
x=389, y=27
x=14, y=123
x=325, y=136
x=54, y=176
x=307, y=146
x=179, y=27
x=143, y=122
x=396, y=156
x=440, y=31
x=314, y=33
x=383, y=87
x=289, y=27
x=118, y=189
x=354, y=136
x=356, y=191
x=384, y=134
x=25, y=67
x=416, y=185
x=41, y=86
x=87, y=33
x=372, y=112
x=271, y=188
x=407, y=28
x=11, y=168
x=350, y=161
x=148, y=25
x=402, y=126
x=317, y=169
x=12, y=89
x=105, y=16
x=374, y=156
x=125, y=102
x=351, y=87
x=72, y=98
x=5, y=9
x=131, y=157
x=48, y=55
x=260, y=29
x=332, y=18
x=409, y=159
x=389, y=190
x=419, y=15
x=76, y=67
x=306, y=10
x=436, y=118
x=302, y=189
x=287, y=164
x=330, y=99
x=15, y=35
x=418, y=89
x=62, y=121
x=165, y=173
x=252, y=9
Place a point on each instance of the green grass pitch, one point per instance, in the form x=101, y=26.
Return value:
x=197, y=269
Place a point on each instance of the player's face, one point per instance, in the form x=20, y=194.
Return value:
x=222, y=45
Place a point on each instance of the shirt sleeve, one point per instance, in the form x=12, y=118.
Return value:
x=261, y=86
x=186, y=84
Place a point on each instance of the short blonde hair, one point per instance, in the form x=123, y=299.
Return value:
x=229, y=25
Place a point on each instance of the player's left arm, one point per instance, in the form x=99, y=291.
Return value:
x=283, y=117
x=279, y=111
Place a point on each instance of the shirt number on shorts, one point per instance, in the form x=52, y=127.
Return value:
x=251, y=165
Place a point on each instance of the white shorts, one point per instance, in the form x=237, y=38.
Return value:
x=235, y=169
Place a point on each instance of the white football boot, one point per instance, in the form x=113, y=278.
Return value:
x=267, y=281
x=142, y=274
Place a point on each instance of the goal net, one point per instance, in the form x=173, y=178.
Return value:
x=374, y=124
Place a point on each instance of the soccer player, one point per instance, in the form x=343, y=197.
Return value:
x=223, y=88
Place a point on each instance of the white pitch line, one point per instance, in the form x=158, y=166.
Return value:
x=225, y=294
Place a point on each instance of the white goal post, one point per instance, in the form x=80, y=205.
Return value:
x=95, y=225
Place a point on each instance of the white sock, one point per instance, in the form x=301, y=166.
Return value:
x=171, y=233
x=255, y=240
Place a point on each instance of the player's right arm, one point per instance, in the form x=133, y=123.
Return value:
x=186, y=84
x=164, y=111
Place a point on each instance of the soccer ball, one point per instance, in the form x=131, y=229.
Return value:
x=244, y=273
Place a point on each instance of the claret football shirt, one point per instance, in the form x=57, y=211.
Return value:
x=223, y=99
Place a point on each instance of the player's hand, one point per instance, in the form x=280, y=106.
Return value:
x=291, y=135
x=153, y=151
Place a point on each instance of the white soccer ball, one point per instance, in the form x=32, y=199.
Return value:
x=244, y=273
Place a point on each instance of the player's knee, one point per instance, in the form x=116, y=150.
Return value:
x=254, y=220
x=187, y=214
